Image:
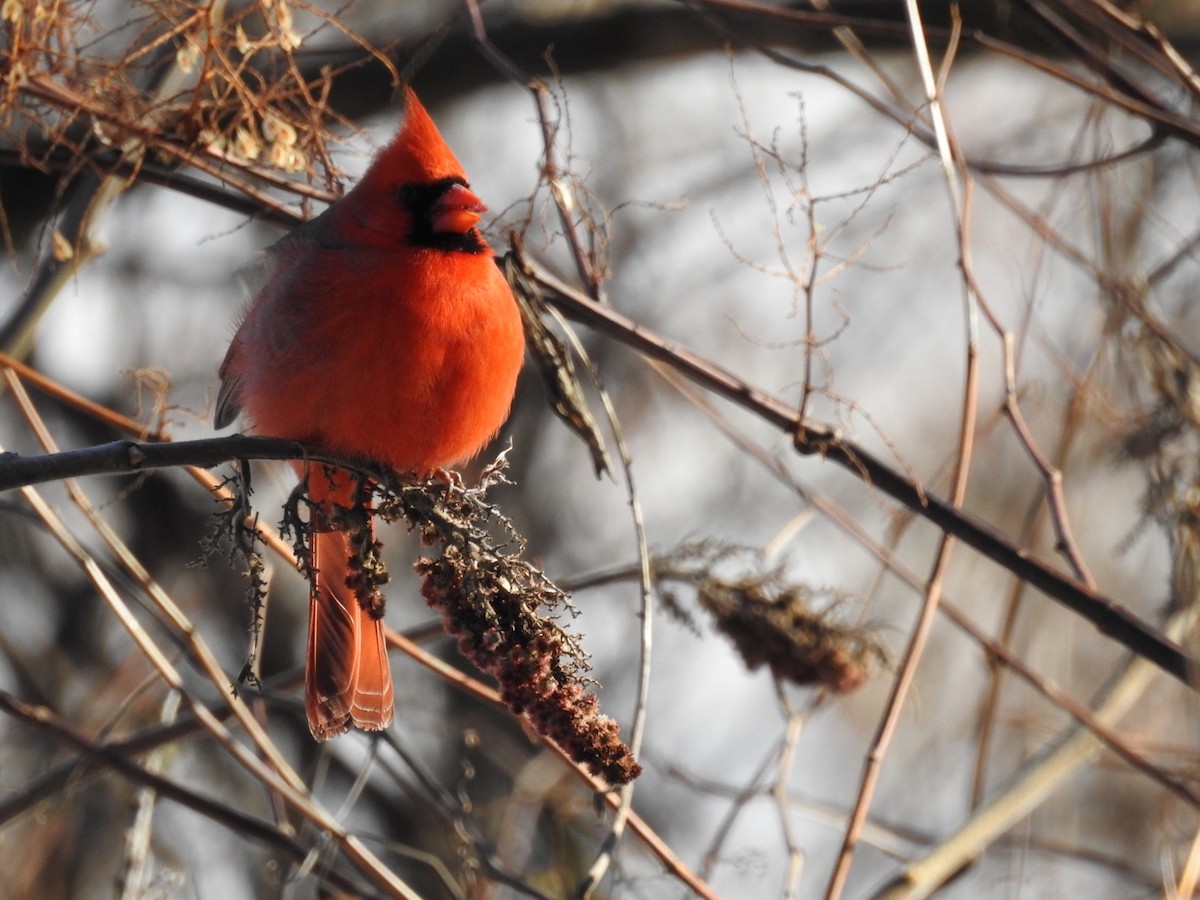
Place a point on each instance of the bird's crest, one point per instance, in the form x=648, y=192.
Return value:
x=417, y=154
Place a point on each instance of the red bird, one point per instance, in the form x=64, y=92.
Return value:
x=385, y=331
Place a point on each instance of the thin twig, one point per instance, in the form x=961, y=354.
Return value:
x=906, y=674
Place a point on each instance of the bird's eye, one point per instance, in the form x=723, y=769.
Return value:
x=406, y=194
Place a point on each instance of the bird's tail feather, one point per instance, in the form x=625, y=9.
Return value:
x=348, y=680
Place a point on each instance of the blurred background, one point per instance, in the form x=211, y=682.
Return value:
x=757, y=182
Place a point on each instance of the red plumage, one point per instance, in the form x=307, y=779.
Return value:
x=386, y=331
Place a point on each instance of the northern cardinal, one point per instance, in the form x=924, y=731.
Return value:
x=385, y=331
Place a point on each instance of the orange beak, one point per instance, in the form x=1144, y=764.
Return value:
x=457, y=211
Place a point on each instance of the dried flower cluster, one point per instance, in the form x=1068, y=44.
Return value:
x=773, y=622
x=219, y=88
x=503, y=612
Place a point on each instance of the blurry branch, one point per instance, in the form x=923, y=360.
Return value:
x=453, y=808
x=72, y=773
x=278, y=776
x=269, y=766
x=1052, y=500
x=1051, y=474
x=811, y=437
x=1106, y=39
x=114, y=758
x=152, y=172
x=135, y=862
x=655, y=844
x=1043, y=775
x=806, y=18
x=563, y=191
x=1111, y=85
x=1189, y=878
x=1099, y=723
x=781, y=794
x=1132, y=295
x=950, y=156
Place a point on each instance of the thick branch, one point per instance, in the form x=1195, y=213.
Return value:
x=131, y=457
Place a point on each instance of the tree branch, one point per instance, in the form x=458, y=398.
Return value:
x=131, y=457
